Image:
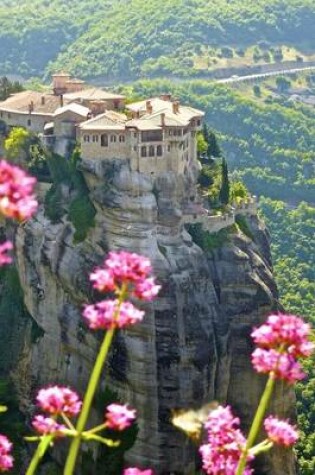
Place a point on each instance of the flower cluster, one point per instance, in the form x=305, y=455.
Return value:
x=4, y=258
x=280, y=432
x=221, y=454
x=58, y=399
x=129, y=269
x=46, y=425
x=109, y=314
x=281, y=340
x=55, y=400
x=119, y=417
x=16, y=192
x=6, y=460
x=126, y=274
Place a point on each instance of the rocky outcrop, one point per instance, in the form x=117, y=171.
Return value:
x=193, y=345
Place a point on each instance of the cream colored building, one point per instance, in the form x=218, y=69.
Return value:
x=29, y=109
x=158, y=135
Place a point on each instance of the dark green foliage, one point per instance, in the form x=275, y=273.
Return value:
x=206, y=176
x=104, y=38
x=8, y=87
x=283, y=84
x=243, y=225
x=225, y=184
x=256, y=90
x=80, y=208
x=213, y=149
x=210, y=241
x=54, y=208
x=81, y=214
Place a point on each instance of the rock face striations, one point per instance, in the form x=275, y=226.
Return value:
x=193, y=346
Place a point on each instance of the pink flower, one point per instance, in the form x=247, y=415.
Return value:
x=288, y=332
x=57, y=399
x=137, y=471
x=119, y=417
x=280, y=432
x=221, y=454
x=4, y=258
x=47, y=425
x=283, y=365
x=16, y=192
x=104, y=315
x=147, y=289
x=6, y=460
x=103, y=280
x=129, y=269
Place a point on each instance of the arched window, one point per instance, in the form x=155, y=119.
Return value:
x=121, y=138
x=143, y=151
x=151, y=151
x=86, y=138
x=113, y=138
x=159, y=150
x=95, y=138
x=104, y=140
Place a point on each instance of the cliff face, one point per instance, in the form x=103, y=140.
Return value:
x=193, y=345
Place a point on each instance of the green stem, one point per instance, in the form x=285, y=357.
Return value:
x=39, y=454
x=87, y=402
x=256, y=424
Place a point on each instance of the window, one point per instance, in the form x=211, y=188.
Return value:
x=9, y=115
x=151, y=151
x=168, y=148
x=86, y=138
x=29, y=122
x=170, y=132
x=198, y=122
x=134, y=148
x=113, y=138
x=159, y=150
x=135, y=135
x=95, y=138
x=152, y=136
x=121, y=138
x=143, y=151
x=104, y=140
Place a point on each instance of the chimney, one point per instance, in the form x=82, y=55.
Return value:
x=149, y=107
x=30, y=107
x=175, y=105
x=61, y=100
x=43, y=100
x=163, y=119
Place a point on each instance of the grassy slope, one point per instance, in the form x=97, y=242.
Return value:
x=124, y=37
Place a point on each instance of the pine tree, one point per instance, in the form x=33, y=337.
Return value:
x=213, y=147
x=225, y=184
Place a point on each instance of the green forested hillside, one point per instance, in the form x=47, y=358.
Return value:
x=134, y=37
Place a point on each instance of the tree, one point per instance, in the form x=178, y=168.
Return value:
x=225, y=184
x=213, y=147
x=256, y=90
x=202, y=145
x=7, y=87
x=17, y=144
x=283, y=84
